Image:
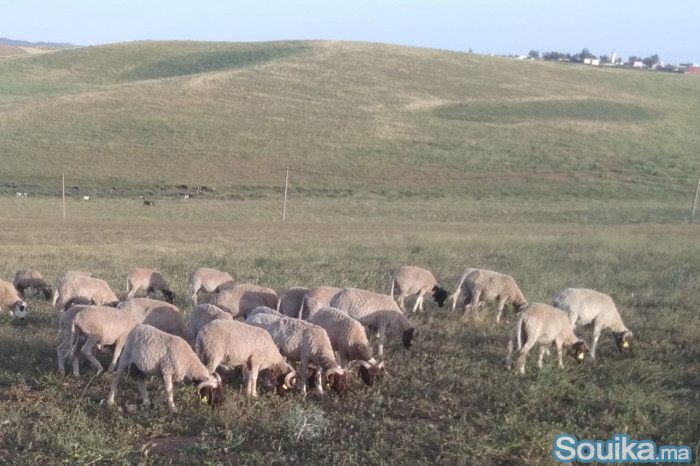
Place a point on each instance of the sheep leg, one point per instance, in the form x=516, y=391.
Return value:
x=168, y=382
x=522, y=354
x=455, y=298
x=253, y=381
x=118, y=346
x=87, y=350
x=60, y=352
x=501, y=305
x=402, y=297
x=559, y=353
x=543, y=351
x=596, y=334
x=473, y=302
x=141, y=386
x=419, y=302
x=303, y=375
x=115, y=384
x=509, y=355
x=382, y=336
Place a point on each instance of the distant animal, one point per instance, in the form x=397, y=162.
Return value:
x=150, y=280
x=186, y=196
x=149, y=203
x=86, y=198
x=30, y=279
x=410, y=280
x=590, y=307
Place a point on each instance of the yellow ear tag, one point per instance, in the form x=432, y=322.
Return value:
x=625, y=344
x=328, y=386
x=377, y=334
x=581, y=356
x=284, y=386
x=205, y=399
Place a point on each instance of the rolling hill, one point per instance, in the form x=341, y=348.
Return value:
x=343, y=116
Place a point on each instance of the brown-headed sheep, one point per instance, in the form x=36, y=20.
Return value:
x=207, y=280
x=232, y=344
x=409, y=280
x=154, y=352
x=94, y=289
x=378, y=312
x=10, y=299
x=242, y=298
x=30, y=279
x=150, y=280
x=590, y=307
x=349, y=339
x=487, y=285
x=547, y=326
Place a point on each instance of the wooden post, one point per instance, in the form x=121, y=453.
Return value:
x=695, y=201
x=63, y=190
x=284, y=206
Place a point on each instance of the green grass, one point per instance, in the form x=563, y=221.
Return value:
x=558, y=175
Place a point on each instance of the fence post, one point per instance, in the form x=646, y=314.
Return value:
x=284, y=205
x=63, y=191
x=695, y=201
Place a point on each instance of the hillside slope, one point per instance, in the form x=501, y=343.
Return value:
x=344, y=116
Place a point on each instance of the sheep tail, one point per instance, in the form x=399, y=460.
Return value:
x=73, y=339
x=519, y=333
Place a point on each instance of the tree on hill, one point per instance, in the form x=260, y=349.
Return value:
x=534, y=54
x=651, y=60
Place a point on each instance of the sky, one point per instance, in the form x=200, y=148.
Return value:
x=502, y=27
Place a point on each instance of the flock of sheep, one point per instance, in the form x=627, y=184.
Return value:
x=293, y=338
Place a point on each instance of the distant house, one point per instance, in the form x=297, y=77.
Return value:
x=592, y=61
x=637, y=64
x=689, y=68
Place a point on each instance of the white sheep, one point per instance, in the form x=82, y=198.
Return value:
x=232, y=344
x=291, y=301
x=377, y=311
x=163, y=316
x=487, y=285
x=590, y=307
x=150, y=280
x=10, y=299
x=101, y=326
x=409, y=280
x=461, y=289
x=208, y=280
x=31, y=279
x=154, y=352
x=65, y=277
x=547, y=326
x=94, y=289
x=315, y=299
x=242, y=298
x=349, y=339
x=201, y=315
x=308, y=344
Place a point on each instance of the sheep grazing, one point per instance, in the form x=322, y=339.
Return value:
x=410, y=280
x=10, y=299
x=349, y=339
x=242, y=298
x=547, y=326
x=232, y=344
x=150, y=280
x=207, y=280
x=65, y=322
x=94, y=289
x=154, y=352
x=315, y=299
x=161, y=315
x=461, y=289
x=101, y=326
x=64, y=278
x=308, y=344
x=590, y=307
x=31, y=279
x=201, y=315
x=291, y=301
x=487, y=285
x=378, y=312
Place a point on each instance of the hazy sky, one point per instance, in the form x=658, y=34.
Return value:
x=631, y=27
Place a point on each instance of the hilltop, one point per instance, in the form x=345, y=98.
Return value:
x=345, y=118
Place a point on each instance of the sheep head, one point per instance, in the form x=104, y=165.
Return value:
x=408, y=337
x=47, y=291
x=579, y=351
x=211, y=391
x=369, y=371
x=19, y=309
x=440, y=295
x=337, y=379
x=624, y=341
x=169, y=296
x=284, y=381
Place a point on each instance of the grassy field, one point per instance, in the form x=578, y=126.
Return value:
x=559, y=175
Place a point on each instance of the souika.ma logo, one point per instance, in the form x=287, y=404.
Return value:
x=620, y=449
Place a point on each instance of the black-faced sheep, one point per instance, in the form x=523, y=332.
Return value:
x=94, y=289
x=590, y=307
x=547, y=326
x=153, y=352
x=242, y=298
x=232, y=344
x=10, y=299
x=409, y=280
x=30, y=279
x=207, y=280
x=150, y=280
x=487, y=285
x=377, y=311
